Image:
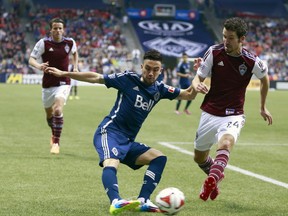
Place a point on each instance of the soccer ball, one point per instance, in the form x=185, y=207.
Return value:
x=170, y=200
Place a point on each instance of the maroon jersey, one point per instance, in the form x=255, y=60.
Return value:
x=57, y=54
x=229, y=79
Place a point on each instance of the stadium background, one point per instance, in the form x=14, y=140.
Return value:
x=33, y=182
x=107, y=32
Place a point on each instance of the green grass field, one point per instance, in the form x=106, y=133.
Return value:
x=34, y=183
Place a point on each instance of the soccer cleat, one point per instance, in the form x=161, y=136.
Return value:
x=187, y=112
x=216, y=191
x=55, y=149
x=119, y=206
x=77, y=97
x=208, y=186
x=147, y=206
x=177, y=112
x=71, y=97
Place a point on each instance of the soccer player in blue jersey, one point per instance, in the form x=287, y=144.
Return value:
x=183, y=72
x=114, y=139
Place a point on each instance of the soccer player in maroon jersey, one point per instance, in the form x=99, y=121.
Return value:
x=54, y=51
x=230, y=67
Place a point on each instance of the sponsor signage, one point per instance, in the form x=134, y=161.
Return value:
x=177, y=14
x=173, y=37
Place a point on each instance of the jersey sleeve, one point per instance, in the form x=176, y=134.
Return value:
x=116, y=80
x=206, y=65
x=74, y=46
x=169, y=92
x=38, y=49
x=260, y=69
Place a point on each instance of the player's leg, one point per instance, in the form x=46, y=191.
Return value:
x=109, y=178
x=71, y=93
x=204, y=160
x=110, y=153
x=49, y=119
x=204, y=140
x=227, y=135
x=138, y=156
x=187, y=106
x=61, y=94
x=188, y=103
x=156, y=162
x=58, y=120
x=76, y=91
x=48, y=100
x=178, y=103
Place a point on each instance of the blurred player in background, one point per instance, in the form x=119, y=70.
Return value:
x=74, y=90
x=231, y=67
x=114, y=139
x=184, y=74
x=74, y=83
x=54, y=51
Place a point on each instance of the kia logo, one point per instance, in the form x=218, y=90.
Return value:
x=168, y=26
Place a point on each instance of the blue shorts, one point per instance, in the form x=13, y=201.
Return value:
x=185, y=84
x=113, y=144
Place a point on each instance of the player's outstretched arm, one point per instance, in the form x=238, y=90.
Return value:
x=199, y=86
x=187, y=94
x=91, y=77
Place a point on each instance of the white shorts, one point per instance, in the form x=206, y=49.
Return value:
x=74, y=82
x=211, y=128
x=49, y=94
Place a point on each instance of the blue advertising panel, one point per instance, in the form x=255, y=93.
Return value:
x=173, y=37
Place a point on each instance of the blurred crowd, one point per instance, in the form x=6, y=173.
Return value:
x=14, y=51
x=102, y=46
x=269, y=39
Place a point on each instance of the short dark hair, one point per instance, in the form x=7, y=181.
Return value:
x=153, y=55
x=237, y=25
x=56, y=20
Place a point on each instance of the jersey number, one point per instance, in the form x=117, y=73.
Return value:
x=233, y=124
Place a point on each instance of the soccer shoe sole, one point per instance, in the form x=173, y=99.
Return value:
x=129, y=206
x=208, y=186
x=151, y=210
x=216, y=191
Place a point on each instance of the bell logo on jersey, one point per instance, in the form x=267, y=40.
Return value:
x=139, y=103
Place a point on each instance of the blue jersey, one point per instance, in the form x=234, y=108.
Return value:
x=184, y=68
x=134, y=102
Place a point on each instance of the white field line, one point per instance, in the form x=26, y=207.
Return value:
x=237, y=144
x=234, y=168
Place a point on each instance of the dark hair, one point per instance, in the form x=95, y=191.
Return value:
x=237, y=25
x=56, y=20
x=153, y=55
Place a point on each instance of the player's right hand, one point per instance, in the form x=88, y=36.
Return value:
x=54, y=71
x=197, y=63
x=43, y=66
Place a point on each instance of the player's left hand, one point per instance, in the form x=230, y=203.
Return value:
x=266, y=116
